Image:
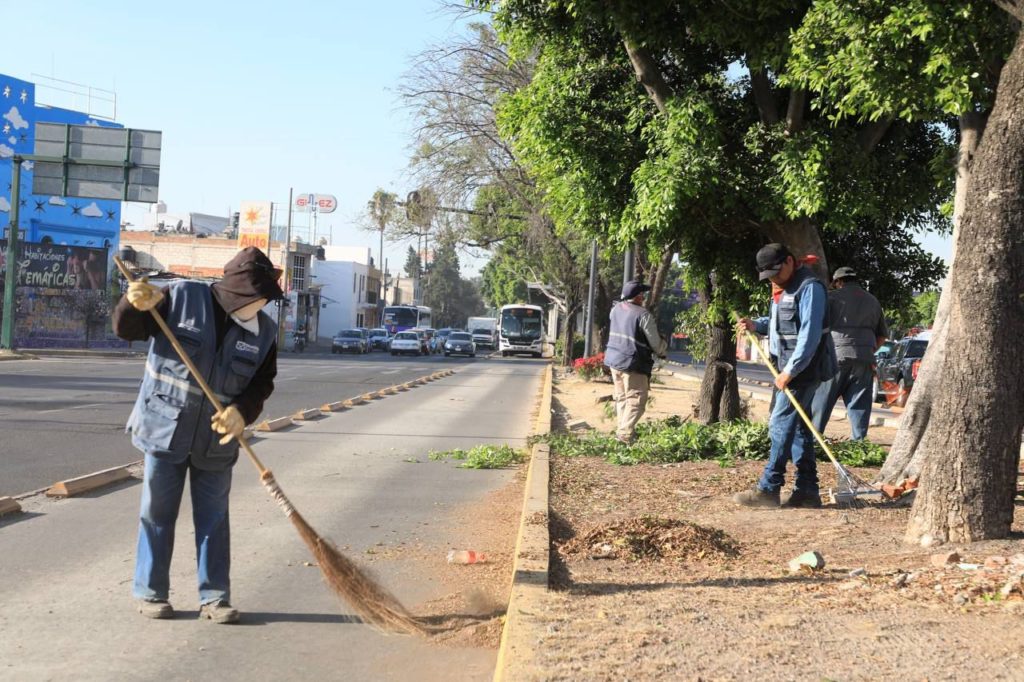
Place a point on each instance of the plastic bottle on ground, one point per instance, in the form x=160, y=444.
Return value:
x=466, y=556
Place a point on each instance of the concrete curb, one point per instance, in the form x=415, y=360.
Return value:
x=89, y=482
x=82, y=353
x=531, y=559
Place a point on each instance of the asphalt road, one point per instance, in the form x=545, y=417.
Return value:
x=362, y=477
x=63, y=417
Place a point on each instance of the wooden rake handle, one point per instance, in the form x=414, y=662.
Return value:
x=196, y=374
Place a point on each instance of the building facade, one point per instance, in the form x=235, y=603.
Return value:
x=199, y=256
x=67, y=282
x=349, y=285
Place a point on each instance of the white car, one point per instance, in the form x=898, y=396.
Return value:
x=406, y=342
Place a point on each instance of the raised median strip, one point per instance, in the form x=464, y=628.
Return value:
x=88, y=483
x=9, y=506
x=530, y=567
x=372, y=395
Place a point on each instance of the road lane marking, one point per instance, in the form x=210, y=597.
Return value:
x=76, y=407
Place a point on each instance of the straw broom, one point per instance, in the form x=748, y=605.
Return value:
x=373, y=603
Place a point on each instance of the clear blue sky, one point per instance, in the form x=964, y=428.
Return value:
x=252, y=98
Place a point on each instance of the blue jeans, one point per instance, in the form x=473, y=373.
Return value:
x=853, y=382
x=791, y=440
x=162, y=488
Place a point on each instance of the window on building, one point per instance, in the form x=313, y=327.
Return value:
x=359, y=320
x=298, y=272
x=355, y=280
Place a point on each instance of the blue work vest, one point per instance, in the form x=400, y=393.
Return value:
x=171, y=417
x=787, y=328
x=628, y=349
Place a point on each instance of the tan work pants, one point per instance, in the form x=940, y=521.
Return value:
x=631, y=389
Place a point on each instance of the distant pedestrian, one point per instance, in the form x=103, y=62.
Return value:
x=633, y=341
x=233, y=343
x=798, y=330
x=858, y=329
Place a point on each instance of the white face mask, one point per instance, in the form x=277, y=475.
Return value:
x=251, y=325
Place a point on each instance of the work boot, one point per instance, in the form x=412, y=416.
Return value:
x=801, y=499
x=219, y=612
x=757, y=498
x=158, y=609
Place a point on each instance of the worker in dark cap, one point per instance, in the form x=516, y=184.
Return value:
x=798, y=328
x=633, y=341
x=858, y=329
x=233, y=343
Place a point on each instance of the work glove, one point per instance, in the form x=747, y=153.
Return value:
x=143, y=295
x=228, y=421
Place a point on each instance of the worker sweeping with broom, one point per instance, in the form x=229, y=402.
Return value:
x=233, y=345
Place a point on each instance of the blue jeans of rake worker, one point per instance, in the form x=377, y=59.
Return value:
x=791, y=440
x=162, y=489
x=853, y=382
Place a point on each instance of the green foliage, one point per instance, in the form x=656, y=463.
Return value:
x=579, y=344
x=482, y=456
x=858, y=453
x=451, y=298
x=413, y=264
x=915, y=60
x=926, y=305
x=675, y=440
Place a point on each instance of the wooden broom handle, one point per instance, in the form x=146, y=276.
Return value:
x=196, y=374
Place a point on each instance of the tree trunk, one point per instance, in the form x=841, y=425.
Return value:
x=802, y=238
x=971, y=449
x=648, y=73
x=719, y=398
x=569, y=332
x=905, y=458
x=660, y=277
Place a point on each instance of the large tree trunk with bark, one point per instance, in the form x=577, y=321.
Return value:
x=802, y=238
x=905, y=458
x=719, y=398
x=971, y=449
x=572, y=307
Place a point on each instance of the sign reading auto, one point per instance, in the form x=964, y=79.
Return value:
x=321, y=203
x=254, y=225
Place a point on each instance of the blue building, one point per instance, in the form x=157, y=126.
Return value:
x=80, y=235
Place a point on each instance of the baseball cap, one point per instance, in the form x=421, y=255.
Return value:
x=632, y=289
x=770, y=259
x=844, y=273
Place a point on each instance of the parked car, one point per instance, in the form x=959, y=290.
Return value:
x=407, y=342
x=460, y=343
x=350, y=341
x=896, y=372
x=378, y=339
x=885, y=350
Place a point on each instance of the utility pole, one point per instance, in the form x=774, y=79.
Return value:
x=283, y=303
x=629, y=265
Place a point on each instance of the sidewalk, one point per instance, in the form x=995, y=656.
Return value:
x=361, y=477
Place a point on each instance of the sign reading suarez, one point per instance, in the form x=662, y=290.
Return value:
x=254, y=225
x=57, y=266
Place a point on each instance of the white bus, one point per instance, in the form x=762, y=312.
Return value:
x=398, y=318
x=521, y=330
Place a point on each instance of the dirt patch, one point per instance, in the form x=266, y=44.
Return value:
x=877, y=609
x=472, y=613
x=652, y=538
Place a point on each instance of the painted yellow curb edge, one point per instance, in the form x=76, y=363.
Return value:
x=88, y=483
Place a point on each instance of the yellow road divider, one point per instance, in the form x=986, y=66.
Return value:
x=88, y=483
x=275, y=424
x=306, y=415
x=9, y=506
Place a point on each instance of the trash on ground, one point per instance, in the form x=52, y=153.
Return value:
x=466, y=556
x=651, y=537
x=808, y=561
